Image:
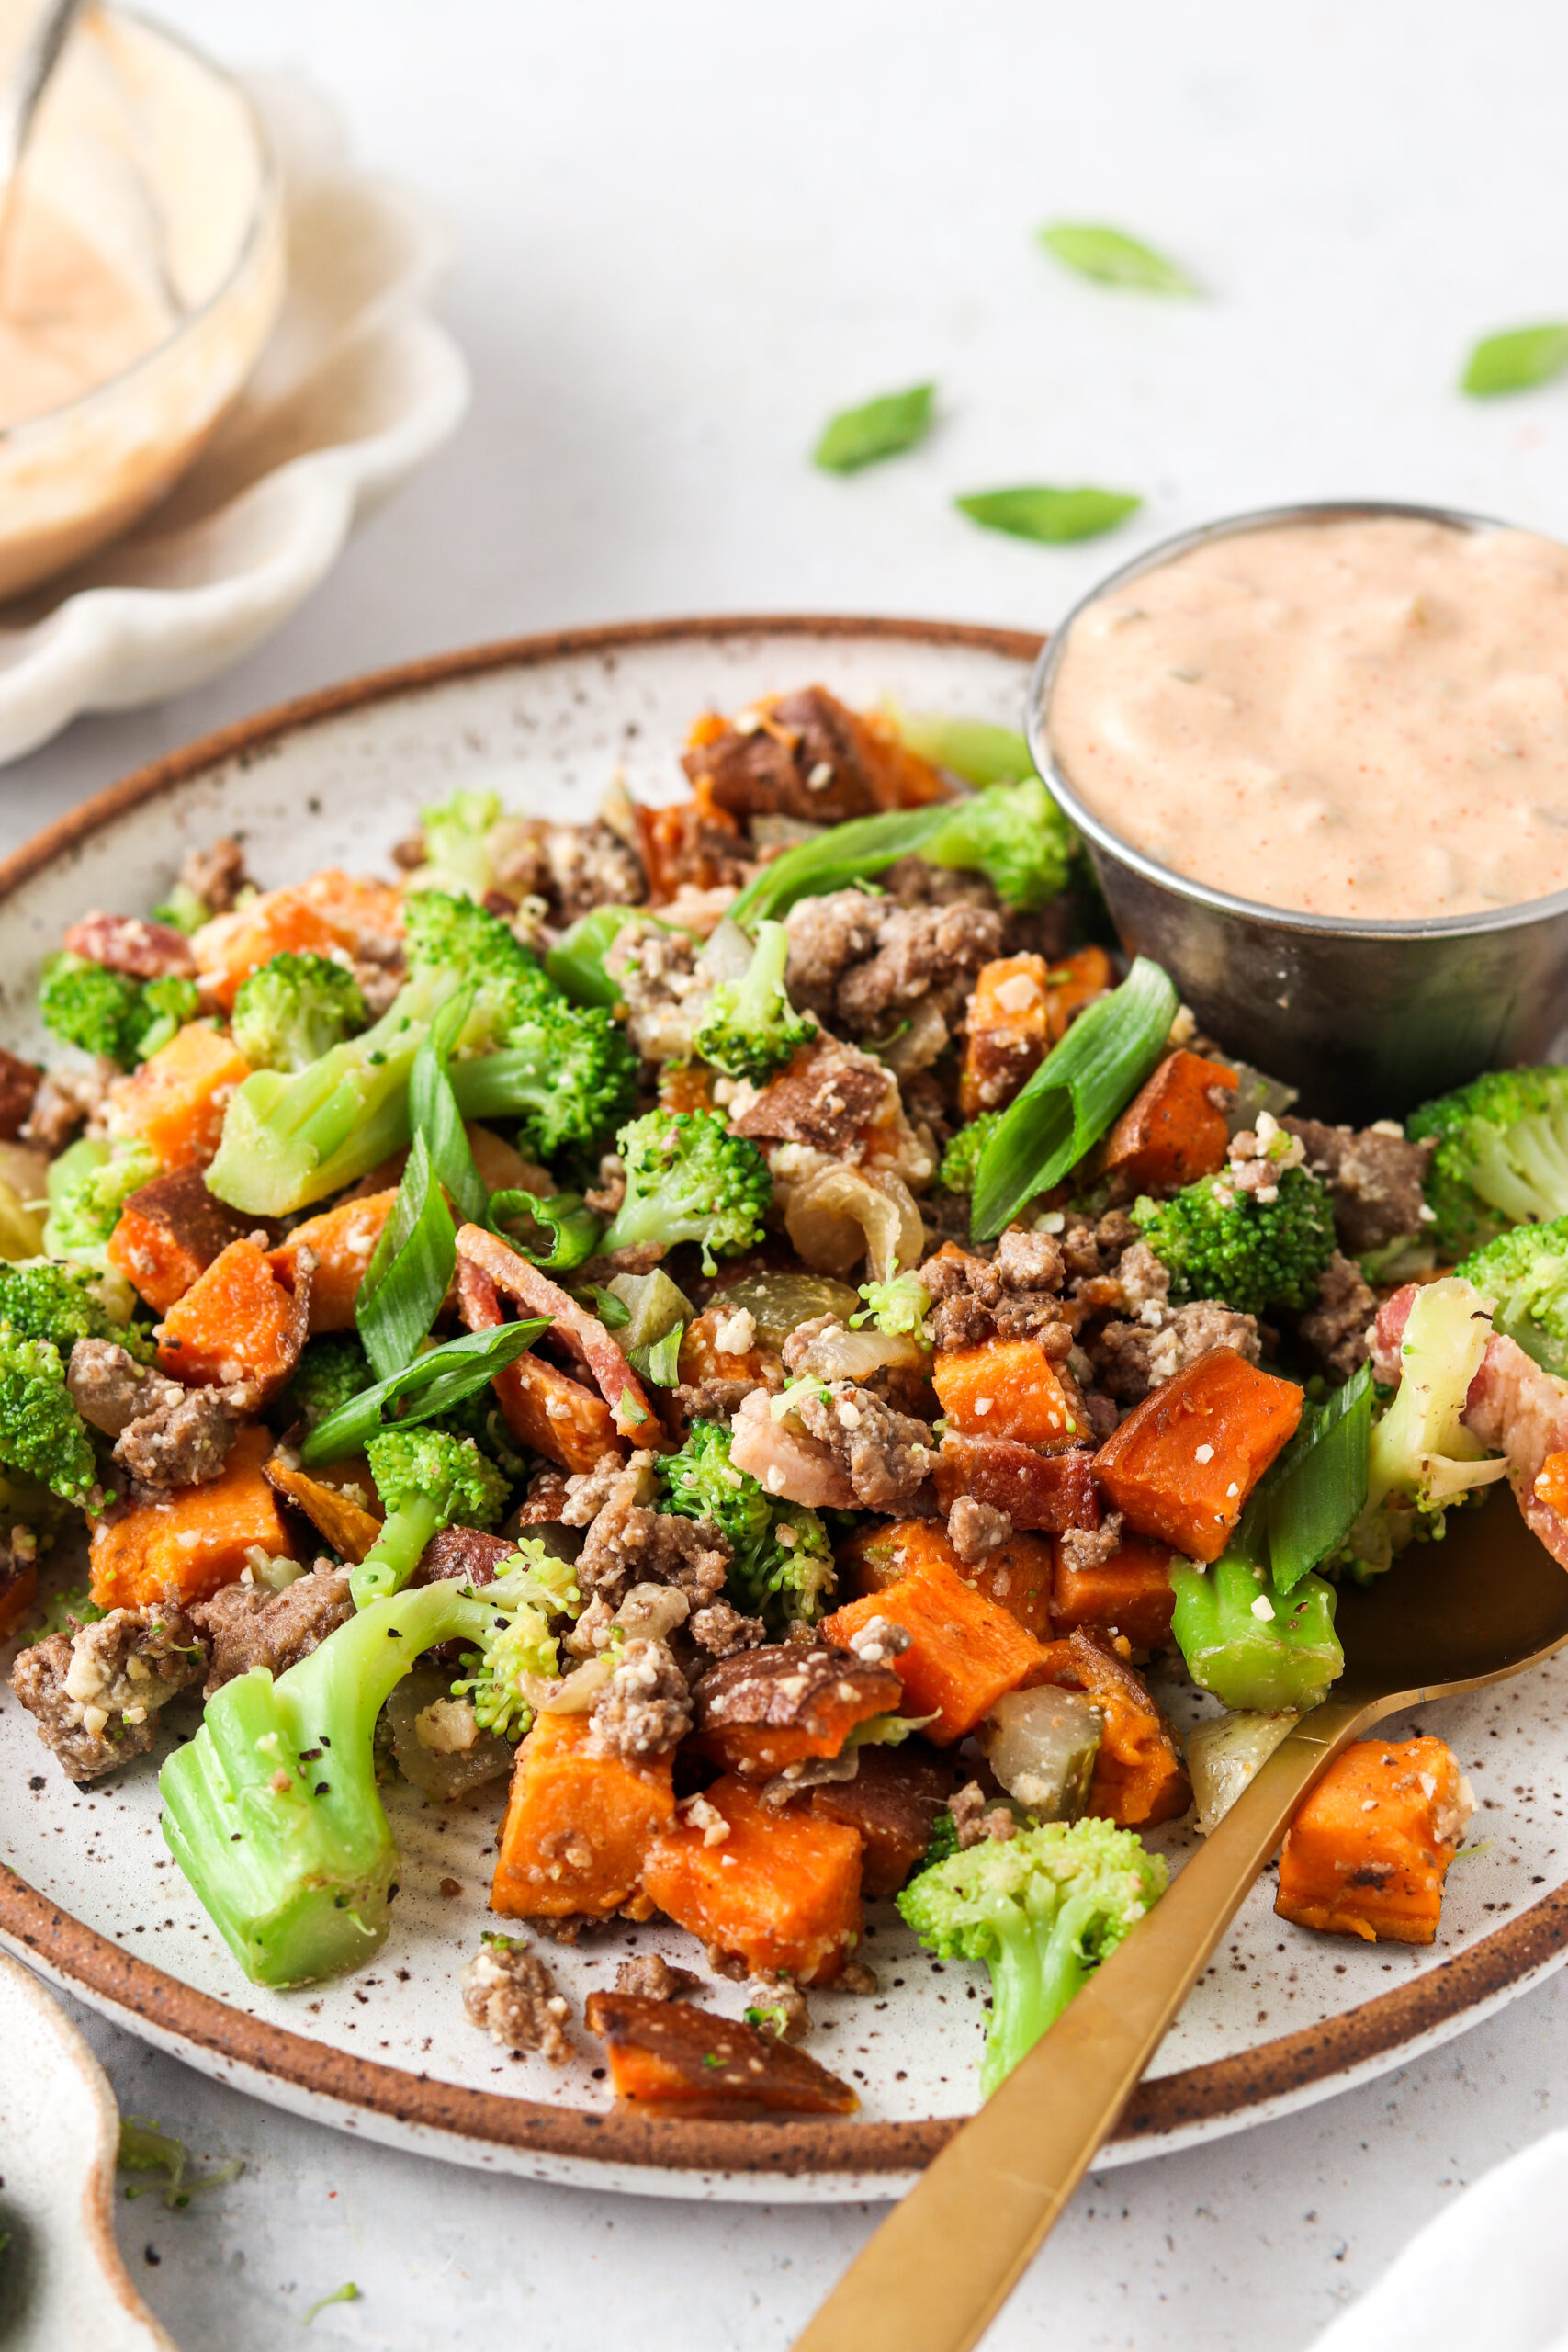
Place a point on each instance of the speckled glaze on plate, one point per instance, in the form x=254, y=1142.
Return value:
x=1281, y=2018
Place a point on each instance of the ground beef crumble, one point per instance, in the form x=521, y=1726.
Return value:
x=1335, y=1326
x=629, y=1543
x=97, y=1692
x=644, y=1709
x=650, y=1976
x=1130, y=1359
x=977, y=1817
x=1090, y=1547
x=510, y=1995
x=887, y=1457
x=165, y=1435
x=975, y=1530
x=1374, y=1177
x=247, y=1626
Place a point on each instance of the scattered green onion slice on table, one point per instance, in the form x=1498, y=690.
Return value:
x=1516, y=362
x=884, y=428
x=1113, y=258
x=1040, y=512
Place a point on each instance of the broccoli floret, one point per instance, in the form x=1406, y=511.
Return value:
x=783, y=1565
x=1016, y=836
x=85, y=1202
x=962, y=1157
x=183, y=910
x=458, y=849
x=332, y=1368
x=451, y=935
x=897, y=1308
x=426, y=1479
x=294, y=1010
x=750, y=1029
x=688, y=1178
x=1042, y=1909
x=1502, y=1156
x=43, y=1435
x=41, y=1299
x=535, y=1587
x=271, y=1810
x=570, y=1070
x=1525, y=1271
x=1222, y=1243
x=1421, y=1458
x=1253, y=1645
x=107, y=1013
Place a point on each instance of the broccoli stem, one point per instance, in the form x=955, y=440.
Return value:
x=1037, y=1968
x=271, y=1811
x=394, y=1555
x=1252, y=1661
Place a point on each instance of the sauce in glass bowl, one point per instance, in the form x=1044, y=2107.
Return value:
x=1364, y=716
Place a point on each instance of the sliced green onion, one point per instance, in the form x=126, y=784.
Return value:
x=1113, y=258
x=612, y=1312
x=1317, y=1488
x=576, y=962
x=840, y=856
x=434, y=1115
x=574, y=1230
x=429, y=1386
x=1074, y=1095
x=661, y=1359
x=409, y=1269
x=884, y=428
x=972, y=747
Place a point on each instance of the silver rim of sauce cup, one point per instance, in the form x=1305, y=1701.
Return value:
x=1366, y=1018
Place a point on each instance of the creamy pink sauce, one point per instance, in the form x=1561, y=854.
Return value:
x=1367, y=716
x=68, y=319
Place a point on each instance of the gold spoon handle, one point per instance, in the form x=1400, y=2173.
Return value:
x=943, y=2263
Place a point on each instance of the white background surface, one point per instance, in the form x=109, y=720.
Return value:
x=686, y=232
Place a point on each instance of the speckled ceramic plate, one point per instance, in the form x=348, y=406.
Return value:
x=1281, y=2018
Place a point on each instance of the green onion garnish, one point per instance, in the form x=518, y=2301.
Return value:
x=409, y=1269
x=431, y=1386
x=1074, y=1096
x=972, y=747
x=576, y=962
x=434, y=1114
x=574, y=1230
x=865, y=845
x=1317, y=1488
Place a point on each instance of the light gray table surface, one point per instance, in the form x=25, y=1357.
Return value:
x=683, y=234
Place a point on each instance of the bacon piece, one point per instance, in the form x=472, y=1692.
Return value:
x=555, y=1414
x=792, y=1468
x=144, y=951
x=517, y=1279
x=1387, y=1331
x=1522, y=1411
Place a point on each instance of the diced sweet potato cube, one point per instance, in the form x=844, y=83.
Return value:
x=1139, y=1777
x=1046, y=1492
x=1368, y=1849
x=1017, y=1574
x=1130, y=1593
x=579, y=1826
x=556, y=1416
x=779, y=1889
x=1007, y=1031
x=18, y=1595
x=347, y=1525
x=964, y=1648
x=195, y=1540
x=236, y=1322
x=342, y=1241
x=893, y=1801
x=1183, y=1462
x=169, y=1232
x=1172, y=1131
x=1076, y=981
x=760, y=1711
x=675, y=2056
x=1008, y=1388
x=174, y=1102
x=330, y=910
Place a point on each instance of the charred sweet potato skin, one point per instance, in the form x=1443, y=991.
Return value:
x=195, y=1540
x=1369, y=1847
x=1018, y=1575
x=1183, y=1462
x=344, y=1524
x=965, y=1649
x=1173, y=1131
x=892, y=1801
x=761, y=1710
x=1131, y=1593
x=579, y=1826
x=1040, y=1493
x=780, y=1890
x=674, y=2057
x=169, y=1232
x=1139, y=1777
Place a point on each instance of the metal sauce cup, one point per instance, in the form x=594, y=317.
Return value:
x=1366, y=1019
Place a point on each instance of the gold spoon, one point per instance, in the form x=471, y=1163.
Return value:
x=1483, y=1604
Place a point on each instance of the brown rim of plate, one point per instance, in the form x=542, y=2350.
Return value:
x=1225, y=2090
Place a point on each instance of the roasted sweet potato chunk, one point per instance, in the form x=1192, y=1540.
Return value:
x=168, y=1235
x=344, y=1524
x=1007, y=1031
x=1139, y=1776
x=330, y=910
x=556, y=1415
x=1009, y=1388
x=675, y=2056
x=174, y=1102
x=341, y=1240
x=1172, y=1131
x=1130, y=1593
x=19, y=1593
x=191, y=1541
x=893, y=1801
x=775, y=1887
x=1047, y=1493
x=579, y=1826
x=761, y=1710
x=1368, y=1849
x=965, y=1650
x=236, y=1322
x=1017, y=1573
x=1184, y=1462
